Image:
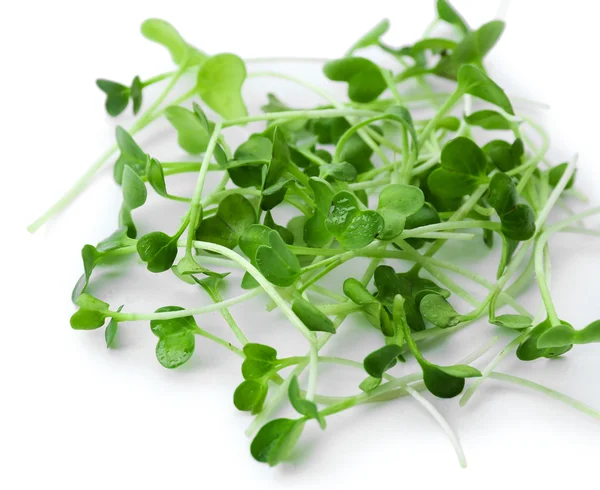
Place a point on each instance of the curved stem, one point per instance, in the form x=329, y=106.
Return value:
x=260, y=279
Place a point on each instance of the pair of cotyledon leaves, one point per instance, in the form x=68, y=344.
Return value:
x=118, y=95
x=441, y=381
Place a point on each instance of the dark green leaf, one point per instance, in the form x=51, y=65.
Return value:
x=463, y=168
x=136, y=94
x=446, y=382
x=473, y=81
x=529, y=350
x=555, y=174
x=503, y=155
x=276, y=262
x=111, y=330
x=312, y=317
x=302, y=406
x=251, y=156
x=174, y=326
x=502, y=194
x=250, y=396
x=131, y=155
x=519, y=224
x=117, y=96
x=396, y=203
x=344, y=171
x=286, y=235
x=158, y=250
x=438, y=311
x=276, y=440
x=316, y=233
x=472, y=49
x=351, y=226
x=252, y=238
x=381, y=360
x=364, y=78
x=235, y=215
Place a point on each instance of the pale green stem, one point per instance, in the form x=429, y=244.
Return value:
x=262, y=281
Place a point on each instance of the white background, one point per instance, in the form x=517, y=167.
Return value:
x=76, y=415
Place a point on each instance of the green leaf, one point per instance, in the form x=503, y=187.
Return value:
x=314, y=319
x=134, y=189
x=565, y=335
x=174, y=326
x=192, y=134
x=364, y=78
x=450, y=123
x=115, y=241
x=111, y=330
x=249, y=157
x=260, y=352
x=369, y=384
x=408, y=285
x=448, y=13
x=438, y=311
x=136, y=94
x=187, y=265
x=131, y=155
x=371, y=38
x=529, y=350
x=276, y=440
x=473, y=81
x=91, y=257
x=472, y=49
x=487, y=119
x=302, y=406
x=156, y=177
x=161, y=32
x=276, y=262
x=250, y=396
x=286, y=235
x=503, y=155
x=351, y=226
x=427, y=215
x=158, y=250
x=219, y=84
x=235, y=215
x=502, y=194
x=91, y=313
x=359, y=294
x=519, y=224
x=344, y=171
x=316, y=233
x=463, y=169
x=515, y=322
x=556, y=173
x=252, y=238
x=383, y=359
x=396, y=203
x=117, y=96
x=253, y=369
x=280, y=161
x=175, y=350
x=446, y=382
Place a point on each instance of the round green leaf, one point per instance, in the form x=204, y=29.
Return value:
x=161, y=32
x=219, y=84
x=234, y=215
x=276, y=262
x=174, y=350
x=487, y=119
x=250, y=396
x=276, y=440
x=364, y=78
x=174, y=326
x=438, y=311
x=379, y=361
x=158, y=250
x=352, y=227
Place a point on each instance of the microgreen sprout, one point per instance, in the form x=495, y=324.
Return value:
x=316, y=188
